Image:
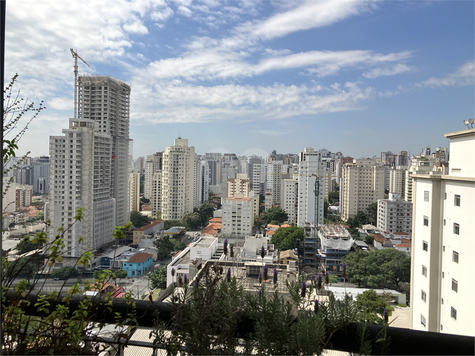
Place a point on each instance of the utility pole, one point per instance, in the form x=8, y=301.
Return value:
x=76, y=56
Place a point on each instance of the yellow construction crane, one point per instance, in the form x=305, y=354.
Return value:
x=76, y=56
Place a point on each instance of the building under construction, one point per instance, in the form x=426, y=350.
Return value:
x=336, y=242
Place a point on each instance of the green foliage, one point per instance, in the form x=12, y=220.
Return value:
x=333, y=278
x=326, y=207
x=333, y=197
x=286, y=238
x=158, y=278
x=65, y=273
x=120, y=273
x=138, y=220
x=25, y=245
x=166, y=245
x=258, y=223
x=209, y=315
x=371, y=307
x=369, y=239
x=275, y=214
x=379, y=269
x=167, y=224
x=372, y=213
x=206, y=212
x=192, y=221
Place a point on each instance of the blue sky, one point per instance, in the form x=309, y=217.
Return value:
x=252, y=76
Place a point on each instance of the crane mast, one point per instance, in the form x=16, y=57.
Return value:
x=76, y=56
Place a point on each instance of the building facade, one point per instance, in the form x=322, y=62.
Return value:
x=178, y=180
x=394, y=215
x=106, y=101
x=362, y=184
x=443, y=248
x=134, y=191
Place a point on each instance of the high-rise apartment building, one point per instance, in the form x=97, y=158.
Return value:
x=106, y=101
x=80, y=177
x=443, y=248
x=421, y=165
x=311, y=168
x=178, y=180
x=134, y=191
x=40, y=175
x=397, y=180
x=274, y=174
x=394, y=215
x=239, y=186
x=153, y=164
x=290, y=198
x=362, y=184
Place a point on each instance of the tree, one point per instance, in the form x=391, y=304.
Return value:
x=65, y=272
x=25, y=245
x=167, y=224
x=138, y=220
x=369, y=239
x=192, y=221
x=333, y=197
x=120, y=274
x=326, y=207
x=158, y=278
x=372, y=213
x=370, y=305
x=275, y=214
x=287, y=238
x=165, y=245
x=258, y=223
x=40, y=215
x=206, y=212
x=383, y=268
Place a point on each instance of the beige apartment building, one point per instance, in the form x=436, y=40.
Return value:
x=135, y=191
x=362, y=184
x=178, y=180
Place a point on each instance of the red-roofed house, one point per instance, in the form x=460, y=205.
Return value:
x=138, y=264
x=404, y=247
x=381, y=242
x=154, y=226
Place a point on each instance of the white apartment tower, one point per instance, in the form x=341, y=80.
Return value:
x=135, y=191
x=394, y=215
x=153, y=164
x=258, y=181
x=275, y=171
x=420, y=165
x=80, y=177
x=106, y=101
x=311, y=168
x=443, y=248
x=397, y=180
x=239, y=186
x=178, y=180
x=290, y=199
x=362, y=184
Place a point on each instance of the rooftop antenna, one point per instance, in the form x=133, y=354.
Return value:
x=76, y=56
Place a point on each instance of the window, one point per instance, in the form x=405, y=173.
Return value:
x=455, y=285
x=425, y=246
x=455, y=257
x=453, y=313
x=423, y=320
x=457, y=200
x=423, y=296
x=426, y=220
x=426, y=195
x=424, y=271
x=456, y=229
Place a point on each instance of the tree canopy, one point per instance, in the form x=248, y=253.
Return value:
x=65, y=272
x=158, y=278
x=167, y=224
x=286, y=238
x=275, y=214
x=138, y=220
x=333, y=197
x=206, y=211
x=370, y=305
x=166, y=245
x=383, y=268
x=192, y=221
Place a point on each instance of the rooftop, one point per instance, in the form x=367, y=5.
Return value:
x=149, y=226
x=140, y=257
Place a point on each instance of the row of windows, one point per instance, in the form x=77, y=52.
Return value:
x=456, y=197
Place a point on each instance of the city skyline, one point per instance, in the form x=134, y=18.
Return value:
x=250, y=77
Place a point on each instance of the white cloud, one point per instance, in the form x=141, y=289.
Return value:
x=162, y=15
x=463, y=76
x=136, y=27
x=379, y=72
x=184, y=11
x=60, y=103
x=307, y=15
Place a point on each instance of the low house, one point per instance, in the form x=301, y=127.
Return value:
x=150, y=229
x=381, y=242
x=138, y=264
x=287, y=256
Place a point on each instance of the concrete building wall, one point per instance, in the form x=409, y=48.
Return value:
x=134, y=191
x=238, y=217
x=443, y=247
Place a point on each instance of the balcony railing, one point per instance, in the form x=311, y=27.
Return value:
x=402, y=341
